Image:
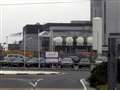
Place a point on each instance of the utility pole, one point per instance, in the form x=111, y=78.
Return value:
x=39, y=47
x=112, y=64
x=51, y=40
x=24, y=38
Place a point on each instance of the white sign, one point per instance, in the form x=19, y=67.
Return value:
x=51, y=54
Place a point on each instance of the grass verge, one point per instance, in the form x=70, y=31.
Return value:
x=105, y=87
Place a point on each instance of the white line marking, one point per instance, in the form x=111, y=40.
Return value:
x=31, y=83
x=82, y=81
x=39, y=80
x=36, y=83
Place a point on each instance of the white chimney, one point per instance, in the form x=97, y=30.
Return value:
x=97, y=34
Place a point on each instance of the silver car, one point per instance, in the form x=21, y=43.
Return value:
x=84, y=62
x=66, y=62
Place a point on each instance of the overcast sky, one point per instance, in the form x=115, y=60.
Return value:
x=15, y=17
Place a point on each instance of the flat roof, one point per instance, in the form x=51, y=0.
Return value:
x=35, y=28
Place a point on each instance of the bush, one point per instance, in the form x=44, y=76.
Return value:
x=102, y=87
x=98, y=75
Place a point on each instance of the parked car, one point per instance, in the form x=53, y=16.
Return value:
x=101, y=59
x=34, y=62
x=75, y=59
x=42, y=62
x=10, y=57
x=98, y=61
x=1, y=57
x=16, y=59
x=84, y=62
x=66, y=62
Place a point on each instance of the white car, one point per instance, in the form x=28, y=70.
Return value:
x=15, y=58
x=98, y=61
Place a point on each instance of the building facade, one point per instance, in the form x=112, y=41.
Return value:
x=98, y=9
x=40, y=38
x=110, y=13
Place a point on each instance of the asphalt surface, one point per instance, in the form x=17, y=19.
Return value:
x=67, y=80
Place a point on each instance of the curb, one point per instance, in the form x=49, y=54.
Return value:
x=28, y=73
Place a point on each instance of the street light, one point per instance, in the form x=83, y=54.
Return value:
x=39, y=48
x=24, y=37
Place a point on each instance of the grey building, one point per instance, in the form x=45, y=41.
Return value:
x=13, y=46
x=98, y=9
x=109, y=11
x=30, y=37
x=113, y=16
x=74, y=29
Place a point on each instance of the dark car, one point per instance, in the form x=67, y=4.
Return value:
x=84, y=62
x=1, y=57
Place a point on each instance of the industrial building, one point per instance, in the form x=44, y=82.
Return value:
x=109, y=11
x=66, y=38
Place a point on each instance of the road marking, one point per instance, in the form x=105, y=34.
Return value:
x=83, y=83
x=36, y=82
x=31, y=83
x=29, y=72
x=39, y=79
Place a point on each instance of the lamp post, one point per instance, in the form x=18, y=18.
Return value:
x=39, y=49
x=24, y=38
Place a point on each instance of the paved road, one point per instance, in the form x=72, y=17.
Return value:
x=68, y=80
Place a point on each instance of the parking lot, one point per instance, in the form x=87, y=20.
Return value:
x=19, y=61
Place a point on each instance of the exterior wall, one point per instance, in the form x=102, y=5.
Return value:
x=73, y=34
x=109, y=11
x=71, y=31
x=113, y=16
x=97, y=8
x=65, y=30
x=13, y=46
x=31, y=42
